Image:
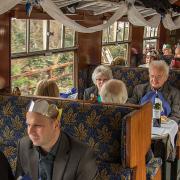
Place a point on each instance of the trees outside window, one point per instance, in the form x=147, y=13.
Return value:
x=115, y=41
x=41, y=49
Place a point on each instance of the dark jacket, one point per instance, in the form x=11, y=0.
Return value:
x=170, y=93
x=5, y=169
x=73, y=160
x=89, y=91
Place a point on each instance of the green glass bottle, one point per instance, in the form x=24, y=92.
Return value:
x=157, y=111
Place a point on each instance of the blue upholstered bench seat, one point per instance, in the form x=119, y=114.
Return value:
x=102, y=128
x=129, y=75
x=113, y=171
x=152, y=167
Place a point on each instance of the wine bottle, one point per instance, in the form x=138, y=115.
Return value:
x=157, y=111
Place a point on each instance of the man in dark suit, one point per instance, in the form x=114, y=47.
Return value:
x=48, y=153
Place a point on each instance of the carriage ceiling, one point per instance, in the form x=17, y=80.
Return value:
x=98, y=7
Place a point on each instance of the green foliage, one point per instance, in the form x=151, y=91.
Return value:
x=118, y=50
x=26, y=72
x=18, y=36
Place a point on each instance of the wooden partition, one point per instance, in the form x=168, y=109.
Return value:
x=139, y=139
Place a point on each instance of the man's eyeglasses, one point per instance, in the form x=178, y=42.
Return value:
x=159, y=77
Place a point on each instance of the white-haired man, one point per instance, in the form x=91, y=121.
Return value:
x=114, y=91
x=169, y=95
x=48, y=153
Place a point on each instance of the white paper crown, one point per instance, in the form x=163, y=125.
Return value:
x=45, y=109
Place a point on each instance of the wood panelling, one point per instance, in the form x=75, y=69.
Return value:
x=139, y=142
x=137, y=38
x=163, y=36
x=137, y=33
x=89, y=45
x=5, y=62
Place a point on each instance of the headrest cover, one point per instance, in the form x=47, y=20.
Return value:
x=44, y=108
x=166, y=46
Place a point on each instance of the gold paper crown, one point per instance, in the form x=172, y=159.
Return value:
x=44, y=108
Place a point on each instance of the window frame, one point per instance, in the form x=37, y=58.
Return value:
x=154, y=37
x=47, y=51
x=118, y=42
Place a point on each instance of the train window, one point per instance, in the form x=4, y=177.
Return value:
x=26, y=72
x=115, y=42
x=47, y=51
x=38, y=31
x=69, y=37
x=150, y=38
x=55, y=35
x=18, y=35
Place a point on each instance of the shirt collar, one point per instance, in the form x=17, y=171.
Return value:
x=160, y=89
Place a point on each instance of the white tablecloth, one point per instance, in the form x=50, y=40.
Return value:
x=170, y=128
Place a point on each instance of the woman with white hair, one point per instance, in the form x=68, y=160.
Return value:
x=100, y=75
x=114, y=91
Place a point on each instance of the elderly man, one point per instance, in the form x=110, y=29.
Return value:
x=48, y=153
x=170, y=96
x=114, y=91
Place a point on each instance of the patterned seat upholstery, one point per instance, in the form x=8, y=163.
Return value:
x=152, y=167
x=112, y=171
x=103, y=128
x=129, y=75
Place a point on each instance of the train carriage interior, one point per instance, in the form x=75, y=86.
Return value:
x=70, y=52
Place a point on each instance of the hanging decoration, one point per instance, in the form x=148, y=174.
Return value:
x=58, y=15
x=163, y=8
x=6, y=5
x=138, y=20
x=170, y=24
x=30, y=4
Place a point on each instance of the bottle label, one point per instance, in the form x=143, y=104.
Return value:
x=158, y=101
x=156, y=114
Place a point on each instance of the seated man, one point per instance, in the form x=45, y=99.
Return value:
x=169, y=95
x=114, y=91
x=49, y=153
